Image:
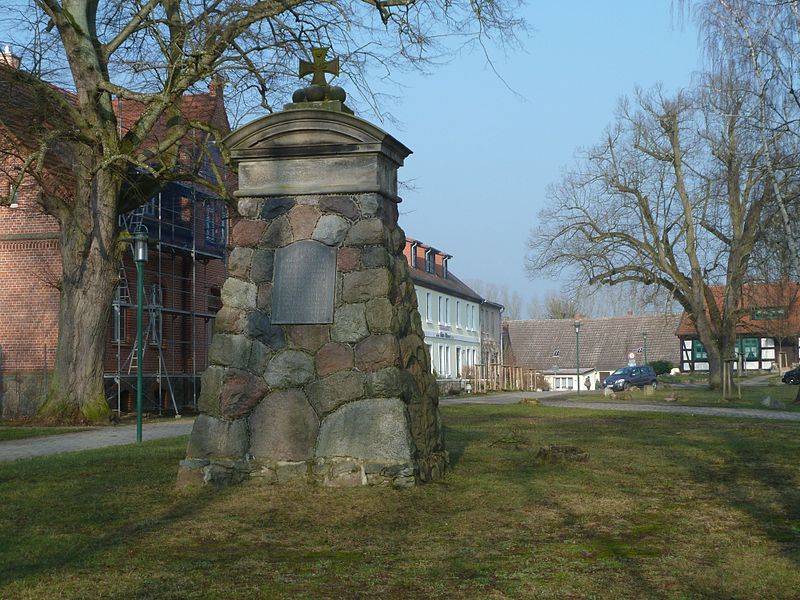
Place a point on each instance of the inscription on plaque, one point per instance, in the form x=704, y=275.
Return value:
x=305, y=280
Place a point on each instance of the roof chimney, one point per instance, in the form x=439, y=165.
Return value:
x=8, y=58
x=217, y=85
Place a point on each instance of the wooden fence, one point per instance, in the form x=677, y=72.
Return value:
x=496, y=377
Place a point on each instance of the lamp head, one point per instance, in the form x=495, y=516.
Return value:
x=140, y=246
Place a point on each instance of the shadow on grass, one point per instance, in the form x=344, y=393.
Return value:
x=755, y=482
x=53, y=524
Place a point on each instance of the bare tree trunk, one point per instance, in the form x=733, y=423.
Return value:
x=715, y=366
x=90, y=257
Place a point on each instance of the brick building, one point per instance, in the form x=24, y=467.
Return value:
x=187, y=229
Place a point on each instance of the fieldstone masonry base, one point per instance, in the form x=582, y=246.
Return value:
x=352, y=402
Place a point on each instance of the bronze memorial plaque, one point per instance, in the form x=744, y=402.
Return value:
x=304, y=284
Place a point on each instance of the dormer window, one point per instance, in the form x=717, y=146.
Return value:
x=414, y=254
x=444, y=268
x=430, y=261
x=556, y=353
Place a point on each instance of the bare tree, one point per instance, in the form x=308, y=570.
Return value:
x=558, y=306
x=761, y=38
x=152, y=52
x=673, y=197
x=502, y=294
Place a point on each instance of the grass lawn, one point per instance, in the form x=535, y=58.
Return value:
x=702, y=396
x=18, y=433
x=666, y=507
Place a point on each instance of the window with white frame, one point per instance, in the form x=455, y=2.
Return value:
x=428, y=307
x=430, y=261
x=441, y=310
x=447, y=311
x=458, y=314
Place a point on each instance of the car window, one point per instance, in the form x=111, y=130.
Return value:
x=620, y=371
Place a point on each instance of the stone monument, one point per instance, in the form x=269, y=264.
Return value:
x=318, y=368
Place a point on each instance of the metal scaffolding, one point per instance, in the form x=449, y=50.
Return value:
x=175, y=307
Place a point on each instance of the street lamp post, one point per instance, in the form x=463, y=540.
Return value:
x=578, y=355
x=644, y=335
x=140, y=258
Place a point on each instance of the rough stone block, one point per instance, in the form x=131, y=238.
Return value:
x=262, y=265
x=412, y=348
x=348, y=259
x=360, y=286
x=239, y=262
x=278, y=234
x=215, y=438
x=290, y=368
x=303, y=220
x=189, y=477
x=241, y=392
x=230, y=351
x=211, y=391
x=287, y=471
x=376, y=256
x=372, y=430
x=344, y=205
x=259, y=358
x=345, y=474
x=370, y=204
x=381, y=316
x=308, y=337
x=247, y=233
x=349, y=323
x=330, y=230
x=365, y=233
x=333, y=357
x=390, y=383
x=284, y=427
x=264, y=298
x=238, y=294
x=249, y=207
x=376, y=352
x=331, y=392
x=259, y=327
x=229, y=320
x=395, y=240
x=274, y=207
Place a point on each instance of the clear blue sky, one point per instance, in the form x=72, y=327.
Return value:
x=483, y=156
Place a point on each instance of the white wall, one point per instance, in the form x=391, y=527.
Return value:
x=452, y=331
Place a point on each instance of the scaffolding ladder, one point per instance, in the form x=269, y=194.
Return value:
x=154, y=317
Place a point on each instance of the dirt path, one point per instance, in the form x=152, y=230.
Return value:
x=96, y=437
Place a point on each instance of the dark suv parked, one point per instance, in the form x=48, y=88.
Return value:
x=627, y=377
x=792, y=377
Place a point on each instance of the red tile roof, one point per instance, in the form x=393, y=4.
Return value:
x=785, y=294
x=604, y=342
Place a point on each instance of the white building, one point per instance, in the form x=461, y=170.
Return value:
x=449, y=309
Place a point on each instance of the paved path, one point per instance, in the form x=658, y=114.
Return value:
x=101, y=437
x=710, y=411
x=96, y=437
x=504, y=398
x=560, y=399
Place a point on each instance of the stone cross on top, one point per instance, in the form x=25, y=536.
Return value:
x=319, y=66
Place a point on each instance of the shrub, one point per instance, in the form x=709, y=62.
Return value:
x=662, y=367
